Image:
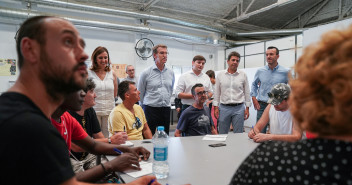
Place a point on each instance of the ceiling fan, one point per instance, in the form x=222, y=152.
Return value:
x=144, y=48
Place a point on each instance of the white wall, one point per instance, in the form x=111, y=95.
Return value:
x=121, y=48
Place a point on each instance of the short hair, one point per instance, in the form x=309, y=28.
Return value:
x=210, y=73
x=155, y=48
x=128, y=66
x=234, y=53
x=199, y=57
x=33, y=28
x=273, y=47
x=99, y=50
x=89, y=85
x=123, y=88
x=321, y=98
x=194, y=87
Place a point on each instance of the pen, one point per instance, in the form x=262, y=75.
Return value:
x=253, y=130
x=124, y=128
x=118, y=151
x=151, y=182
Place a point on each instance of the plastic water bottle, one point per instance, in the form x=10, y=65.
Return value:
x=160, y=164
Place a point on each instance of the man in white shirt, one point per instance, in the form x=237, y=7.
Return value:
x=189, y=79
x=231, y=98
x=282, y=127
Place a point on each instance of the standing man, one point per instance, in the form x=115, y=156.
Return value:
x=189, y=79
x=51, y=59
x=156, y=84
x=231, y=99
x=196, y=119
x=131, y=75
x=265, y=78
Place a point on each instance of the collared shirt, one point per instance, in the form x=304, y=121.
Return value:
x=135, y=80
x=156, y=86
x=266, y=78
x=232, y=88
x=187, y=80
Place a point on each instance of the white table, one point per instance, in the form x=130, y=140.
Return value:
x=192, y=161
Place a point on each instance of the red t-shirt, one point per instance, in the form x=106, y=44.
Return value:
x=69, y=128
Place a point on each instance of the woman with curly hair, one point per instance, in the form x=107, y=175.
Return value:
x=321, y=103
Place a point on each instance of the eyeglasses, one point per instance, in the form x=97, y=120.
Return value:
x=137, y=124
x=202, y=93
x=163, y=53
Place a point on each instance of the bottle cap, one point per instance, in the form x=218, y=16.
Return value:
x=161, y=128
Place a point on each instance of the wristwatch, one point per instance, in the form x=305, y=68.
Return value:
x=109, y=140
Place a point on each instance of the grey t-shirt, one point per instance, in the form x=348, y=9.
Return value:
x=195, y=122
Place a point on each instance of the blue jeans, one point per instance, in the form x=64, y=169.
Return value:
x=231, y=115
x=263, y=105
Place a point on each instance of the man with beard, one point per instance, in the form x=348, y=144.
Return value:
x=156, y=84
x=196, y=119
x=189, y=79
x=231, y=97
x=51, y=59
x=282, y=127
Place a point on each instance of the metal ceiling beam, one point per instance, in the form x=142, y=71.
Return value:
x=138, y=15
x=347, y=10
x=22, y=15
x=300, y=15
x=146, y=6
x=246, y=16
x=232, y=9
x=315, y=12
x=249, y=6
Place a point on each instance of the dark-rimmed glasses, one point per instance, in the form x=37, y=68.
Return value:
x=202, y=93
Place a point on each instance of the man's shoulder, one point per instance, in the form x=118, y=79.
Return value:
x=19, y=107
x=282, y=68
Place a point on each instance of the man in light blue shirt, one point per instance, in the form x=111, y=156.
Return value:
x=156, y=84
x=265, y=78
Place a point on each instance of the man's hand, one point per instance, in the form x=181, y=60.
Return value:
x=123, y=162
x=255, y=103
x=140, y=151
x=178, y=109
x=145, y=180
x=246, y=113
x=260, y=137
x=216, y=112
x=119, y=138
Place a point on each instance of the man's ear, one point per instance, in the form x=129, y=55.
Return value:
x=30, y=50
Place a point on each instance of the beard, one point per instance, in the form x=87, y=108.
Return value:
x=59, y=81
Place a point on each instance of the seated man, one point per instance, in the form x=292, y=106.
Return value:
x=196, y=119
x=88, y=120
x=71, y=130
x=128, y=116
x=282, y=127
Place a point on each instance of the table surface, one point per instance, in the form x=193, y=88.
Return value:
x=192, y=160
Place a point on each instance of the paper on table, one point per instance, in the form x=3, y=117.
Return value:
x=215, y=137
x=146, y=169
x=127, y=143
